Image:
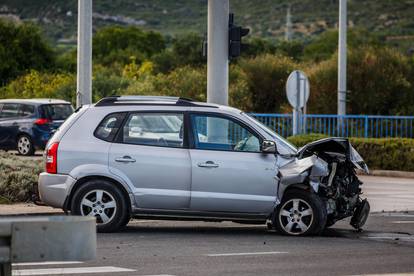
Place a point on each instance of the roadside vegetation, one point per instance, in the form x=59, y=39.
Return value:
x=17, y=176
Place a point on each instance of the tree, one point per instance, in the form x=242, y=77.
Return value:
x=119, y=44
x=266, y=77
x=36, y=84
x=378, y=81
x=22, y=47
x=325, y=45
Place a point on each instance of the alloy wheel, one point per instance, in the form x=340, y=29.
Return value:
x=100, y=204
x=296, y=216
x=24, y=145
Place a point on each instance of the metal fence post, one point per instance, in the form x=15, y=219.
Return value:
x=366, y=127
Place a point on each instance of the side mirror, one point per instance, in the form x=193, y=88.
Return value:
x=269, y=146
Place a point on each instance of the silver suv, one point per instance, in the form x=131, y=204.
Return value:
x=165, y=157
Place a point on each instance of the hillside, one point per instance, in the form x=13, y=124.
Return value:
x=391, y=18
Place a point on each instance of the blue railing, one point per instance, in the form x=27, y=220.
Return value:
x=368, y=126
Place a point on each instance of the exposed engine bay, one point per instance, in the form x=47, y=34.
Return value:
x=329, y=165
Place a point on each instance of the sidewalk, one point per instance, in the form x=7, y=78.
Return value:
x=27, y=209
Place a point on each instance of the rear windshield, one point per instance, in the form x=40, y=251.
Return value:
x=56, y=111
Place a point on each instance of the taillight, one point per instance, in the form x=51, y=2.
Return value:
x=51, y=158
x=42, y=121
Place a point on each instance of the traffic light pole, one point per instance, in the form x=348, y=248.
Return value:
x=217, y=52
x=84, y=64
x=342, y=52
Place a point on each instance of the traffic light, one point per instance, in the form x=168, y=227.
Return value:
x=235, y=38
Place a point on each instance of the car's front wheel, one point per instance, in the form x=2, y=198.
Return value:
x=104, y=201
x=300, y=213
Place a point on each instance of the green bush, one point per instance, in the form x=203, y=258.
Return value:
x=17, y=176
x=379, y=154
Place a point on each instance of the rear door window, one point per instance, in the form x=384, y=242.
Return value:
x=10, y=110
x=26, y=110
x=154, y=129
x=56, y=112
x=109, y=126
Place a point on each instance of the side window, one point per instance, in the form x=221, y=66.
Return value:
x=154, y=129
x=109, y=126
x=10, y=110
x=26, y=110
x=217, y=133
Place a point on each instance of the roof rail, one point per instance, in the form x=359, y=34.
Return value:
x=145, y=100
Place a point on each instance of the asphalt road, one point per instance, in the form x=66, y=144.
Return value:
x=386, y=246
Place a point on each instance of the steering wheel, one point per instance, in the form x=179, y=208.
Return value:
x=241, y=144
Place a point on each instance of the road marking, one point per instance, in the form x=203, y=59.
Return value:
x=393, y=215
x=73, y=270
x=388, y=274
x=46, y=263
x=403, y=221
x=245, y=254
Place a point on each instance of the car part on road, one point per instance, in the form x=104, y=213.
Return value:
x=360, y=214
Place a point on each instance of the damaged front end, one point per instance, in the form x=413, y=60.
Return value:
x=329, y=166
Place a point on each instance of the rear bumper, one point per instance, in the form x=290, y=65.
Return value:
x=54, y=188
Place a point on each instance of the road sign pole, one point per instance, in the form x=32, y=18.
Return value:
x=84, y=65
x=217, y=52
x=298, y=108
x=297, y=92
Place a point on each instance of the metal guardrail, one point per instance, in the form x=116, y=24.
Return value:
x=40, y=239
x=367, y=126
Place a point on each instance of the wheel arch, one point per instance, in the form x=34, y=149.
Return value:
x=80, y=181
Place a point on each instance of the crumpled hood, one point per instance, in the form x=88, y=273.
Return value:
x=334, y=146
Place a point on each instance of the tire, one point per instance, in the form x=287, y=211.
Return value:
x=301, y=213
x=25, y=145
x=102, y=199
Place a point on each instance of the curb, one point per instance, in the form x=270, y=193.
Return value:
x=401, y=174
x=32, y=214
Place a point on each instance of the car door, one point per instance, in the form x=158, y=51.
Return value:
x=151, y=152
x=9, y=125
x=229, y=172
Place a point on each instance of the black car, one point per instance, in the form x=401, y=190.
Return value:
x=26, y=125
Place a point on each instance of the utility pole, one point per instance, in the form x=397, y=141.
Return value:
x=342, y=52
x=289, y=25
x=84, y=63
x=218, y=52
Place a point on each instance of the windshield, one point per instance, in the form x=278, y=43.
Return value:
x=283, y=145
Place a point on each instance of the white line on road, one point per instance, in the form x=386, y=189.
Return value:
x=73, y=270
x=245, y=254
x=46, y=263
x=403, y=221
x=388, y=274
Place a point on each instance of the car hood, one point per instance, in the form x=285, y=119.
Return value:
x=334, y=146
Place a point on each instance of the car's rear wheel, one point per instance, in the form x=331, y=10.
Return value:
x=104, y=201
x=300, y=213
x=25, y=145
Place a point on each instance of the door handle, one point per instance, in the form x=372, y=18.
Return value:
x=208, y=164
x=125, y=159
